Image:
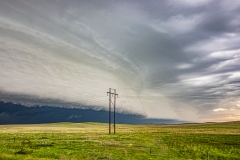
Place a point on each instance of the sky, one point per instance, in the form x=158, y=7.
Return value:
x=166, y=59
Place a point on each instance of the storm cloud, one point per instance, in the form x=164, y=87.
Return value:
x=167, y=59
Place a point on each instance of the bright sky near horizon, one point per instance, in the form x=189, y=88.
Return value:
x=167, y=59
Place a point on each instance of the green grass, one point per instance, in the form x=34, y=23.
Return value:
x=72, y=141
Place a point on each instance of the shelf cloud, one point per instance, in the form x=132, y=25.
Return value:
x=172, y=60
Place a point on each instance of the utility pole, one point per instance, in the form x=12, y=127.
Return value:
x=109, y=116
x=115, y=110
x=110, y=105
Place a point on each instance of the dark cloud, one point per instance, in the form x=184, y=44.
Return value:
x=65, y=53
x=17, y=114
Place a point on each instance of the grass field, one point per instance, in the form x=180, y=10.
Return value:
x=91, y=141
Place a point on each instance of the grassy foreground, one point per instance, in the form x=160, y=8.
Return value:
x=92, y=141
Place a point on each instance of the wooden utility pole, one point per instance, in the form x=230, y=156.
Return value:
x=109, y=116
x=115, y=110
x=110, y=105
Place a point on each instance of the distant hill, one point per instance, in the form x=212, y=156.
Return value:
x=18, y=114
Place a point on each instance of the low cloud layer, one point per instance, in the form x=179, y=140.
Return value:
x=173, y=60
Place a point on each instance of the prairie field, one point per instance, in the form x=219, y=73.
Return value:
x=77, y=141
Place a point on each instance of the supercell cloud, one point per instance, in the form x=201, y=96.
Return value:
x=167, y=59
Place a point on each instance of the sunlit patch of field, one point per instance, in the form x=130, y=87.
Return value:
x=52, y=128
x=92, y=141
